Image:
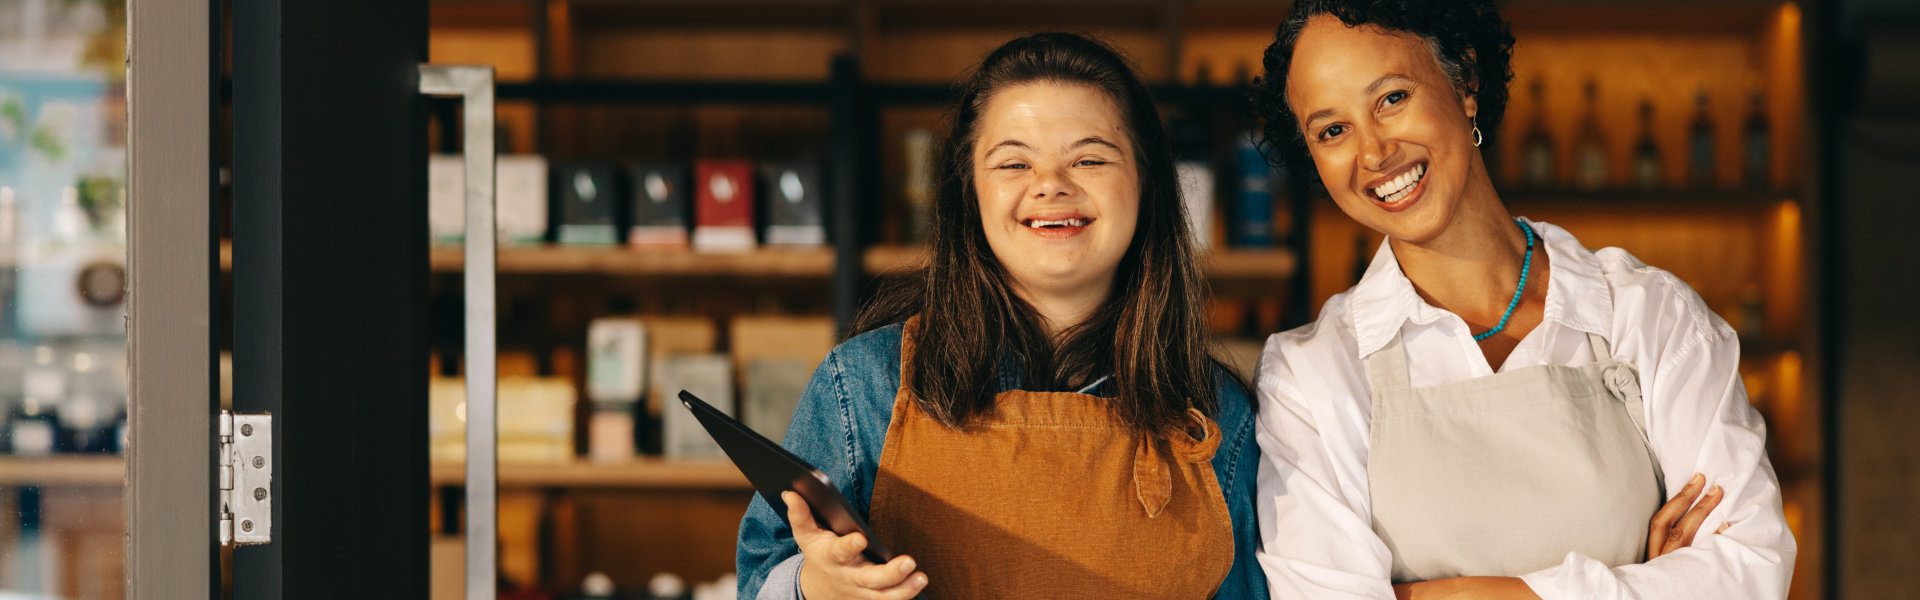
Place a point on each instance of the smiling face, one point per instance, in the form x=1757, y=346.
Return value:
x=1387, y=130
x=1058, y=187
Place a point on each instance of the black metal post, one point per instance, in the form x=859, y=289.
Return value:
x=852, y=121
x=330, y=291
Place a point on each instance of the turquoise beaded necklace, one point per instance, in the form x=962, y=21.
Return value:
x=1515, y=303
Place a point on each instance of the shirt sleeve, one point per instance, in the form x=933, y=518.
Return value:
x=1316, y=537
x=1699, y=421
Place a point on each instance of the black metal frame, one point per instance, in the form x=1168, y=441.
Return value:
x=330, y=291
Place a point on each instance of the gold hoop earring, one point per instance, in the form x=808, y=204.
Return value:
x=1476, y=133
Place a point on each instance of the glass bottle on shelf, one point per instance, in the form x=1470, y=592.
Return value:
x=1590, y=151
x=1536, y=149
x=1646, y=154
x=1700, y=144
x=1756, y=144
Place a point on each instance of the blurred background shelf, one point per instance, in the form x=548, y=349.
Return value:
x=640, y=474
x=1268, y=265
x=63, y=471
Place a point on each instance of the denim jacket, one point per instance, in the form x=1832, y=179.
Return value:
x=841, y=424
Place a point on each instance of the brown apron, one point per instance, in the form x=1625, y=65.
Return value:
x=1049, y=496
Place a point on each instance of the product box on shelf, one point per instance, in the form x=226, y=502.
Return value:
x=586, y=203
x=520, y=198
x=723, y=206
x=709, y=376
x=659, y=204
x=447, y=198
x=616, y=379
x=535, y=419
x=777, y=356
x=773, y=388
x=795, y=203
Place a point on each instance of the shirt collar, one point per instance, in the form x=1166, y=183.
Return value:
x=1577, y=292
x=1384, y=300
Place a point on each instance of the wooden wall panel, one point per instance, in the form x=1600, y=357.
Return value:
x=947, y=55
x=514, y=56
x=723, y=54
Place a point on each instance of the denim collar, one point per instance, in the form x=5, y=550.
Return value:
x=1012, y=369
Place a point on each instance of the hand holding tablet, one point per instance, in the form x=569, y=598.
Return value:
x=773, y=471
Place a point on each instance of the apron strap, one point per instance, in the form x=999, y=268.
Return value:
x=1153, y=472
x=1387, y=368
x=1622, y=380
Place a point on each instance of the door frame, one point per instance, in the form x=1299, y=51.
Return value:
x=172, y=307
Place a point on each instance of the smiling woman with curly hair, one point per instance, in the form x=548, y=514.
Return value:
x=1493, y=411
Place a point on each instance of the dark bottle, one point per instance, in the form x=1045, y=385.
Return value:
x=1756, y=146
x=1646, y=154
x=1700, y=144
x=1536, y=149
x=1590, y=150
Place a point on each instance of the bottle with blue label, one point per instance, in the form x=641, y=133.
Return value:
x=1756, y=146
x=1253, y=198
x=1700, y=169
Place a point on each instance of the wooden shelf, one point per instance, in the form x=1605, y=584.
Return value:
x=641, y=473
x=1643, y=198
x=613, y=260
x=1233, y=264
x=64, y=470
x=1276, y=264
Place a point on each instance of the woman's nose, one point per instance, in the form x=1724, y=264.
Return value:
x=1053, y=182
x=1376, y=149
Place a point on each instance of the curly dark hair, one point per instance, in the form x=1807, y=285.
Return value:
x=1151, y=333
x=1473, y=44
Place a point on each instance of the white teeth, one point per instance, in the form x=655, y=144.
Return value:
x=1039, y=223
x=1394, y=190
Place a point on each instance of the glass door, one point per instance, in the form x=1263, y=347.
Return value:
x=63, y=341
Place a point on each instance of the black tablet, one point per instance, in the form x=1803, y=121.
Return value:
x=773, y=470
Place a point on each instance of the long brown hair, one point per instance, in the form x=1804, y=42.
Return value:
x=1150, y=335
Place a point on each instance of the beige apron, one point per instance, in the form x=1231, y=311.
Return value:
x=1504, y=475
x=1050, y=497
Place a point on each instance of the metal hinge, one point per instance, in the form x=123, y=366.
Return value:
x=246, y=479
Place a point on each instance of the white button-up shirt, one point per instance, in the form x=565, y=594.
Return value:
x=1314, y=505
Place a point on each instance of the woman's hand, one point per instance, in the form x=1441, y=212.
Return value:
x=1674, y=525
x=834, y=567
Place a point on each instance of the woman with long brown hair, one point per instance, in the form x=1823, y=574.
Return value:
x=1035, y=413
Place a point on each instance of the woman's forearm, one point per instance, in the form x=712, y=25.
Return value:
x=1488, y=588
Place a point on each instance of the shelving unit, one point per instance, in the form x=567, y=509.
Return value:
x=599, y=78
x=639, y=474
